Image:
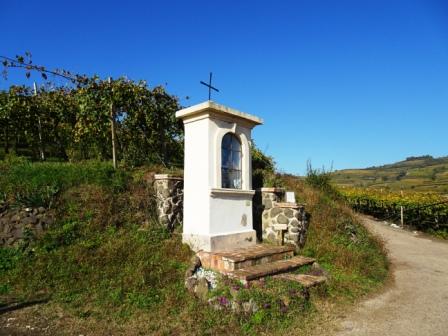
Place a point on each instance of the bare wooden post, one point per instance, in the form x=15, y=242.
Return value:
x=112, y=129
x=401, y=215
x=39, y=129
x=402, y=212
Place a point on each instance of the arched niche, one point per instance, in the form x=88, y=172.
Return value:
x=246, y=182
x=231, y=162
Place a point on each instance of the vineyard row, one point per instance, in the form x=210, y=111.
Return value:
x=424, y=211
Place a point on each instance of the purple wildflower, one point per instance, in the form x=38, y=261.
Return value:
x=223, y=301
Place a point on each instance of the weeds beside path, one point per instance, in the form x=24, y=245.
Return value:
x=108, y=267
x=417, y=303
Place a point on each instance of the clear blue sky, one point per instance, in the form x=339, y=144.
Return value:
x=354, y=83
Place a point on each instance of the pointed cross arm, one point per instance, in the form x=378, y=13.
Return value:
x=208, y=85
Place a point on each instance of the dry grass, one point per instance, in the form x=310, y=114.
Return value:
x=107, y=276
x=355, y=258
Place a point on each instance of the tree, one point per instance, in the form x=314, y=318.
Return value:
x=263, y=169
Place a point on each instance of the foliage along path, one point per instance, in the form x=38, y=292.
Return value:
x=417, y=302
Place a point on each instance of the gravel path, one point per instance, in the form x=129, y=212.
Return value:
x=417, y=302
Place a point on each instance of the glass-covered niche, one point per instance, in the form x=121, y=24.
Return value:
x=231, y=162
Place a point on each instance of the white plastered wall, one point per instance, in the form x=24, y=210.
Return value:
x=215, y=218
x=196, y=202
x=230, y=213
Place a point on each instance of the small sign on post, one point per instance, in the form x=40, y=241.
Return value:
x=401, y=212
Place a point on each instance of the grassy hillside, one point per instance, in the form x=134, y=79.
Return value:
x=106, y=266
x=423, y=173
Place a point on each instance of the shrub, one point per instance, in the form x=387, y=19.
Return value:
x=319, y=179
x=354, y=258
x=263, y=170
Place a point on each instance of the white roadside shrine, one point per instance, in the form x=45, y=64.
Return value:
x=217, y=177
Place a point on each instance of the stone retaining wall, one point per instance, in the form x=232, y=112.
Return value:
x=169, y=191
x=269, y=196
x=279, y=222
x=16, y=224
x=285, y=223
x=263, y=200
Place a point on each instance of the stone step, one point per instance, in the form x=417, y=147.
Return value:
x=245, y=257
x=280, y=266
x=305, y=280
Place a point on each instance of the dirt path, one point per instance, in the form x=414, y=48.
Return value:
x=417, y=302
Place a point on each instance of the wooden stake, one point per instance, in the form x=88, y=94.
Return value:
x=401, y=212
x=402, y=215
x=112, y=130
x=39, y=129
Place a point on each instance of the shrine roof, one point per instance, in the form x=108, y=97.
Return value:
x=211, y=106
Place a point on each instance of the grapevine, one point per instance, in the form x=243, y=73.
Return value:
x=425, y=211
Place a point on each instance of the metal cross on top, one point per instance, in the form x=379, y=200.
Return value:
x=210, y=87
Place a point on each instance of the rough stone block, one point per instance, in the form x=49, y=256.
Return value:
x=289, y=213
x=271, y=236
x=274, y=212
x=294, y=229
x=294, y=222
x=282, y=219
x=292, y=236
x=267, y=203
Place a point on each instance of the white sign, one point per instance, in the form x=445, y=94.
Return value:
x=290, y=197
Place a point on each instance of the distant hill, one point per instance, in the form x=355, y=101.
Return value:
x=420, y=173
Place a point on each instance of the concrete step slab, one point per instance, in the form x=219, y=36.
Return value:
x=242, y=258
x=280, y=266
x=305, y=280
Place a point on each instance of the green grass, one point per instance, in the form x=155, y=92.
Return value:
x=114, y=272
x=36, y=184
x=110, y=273
x=355, y=259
